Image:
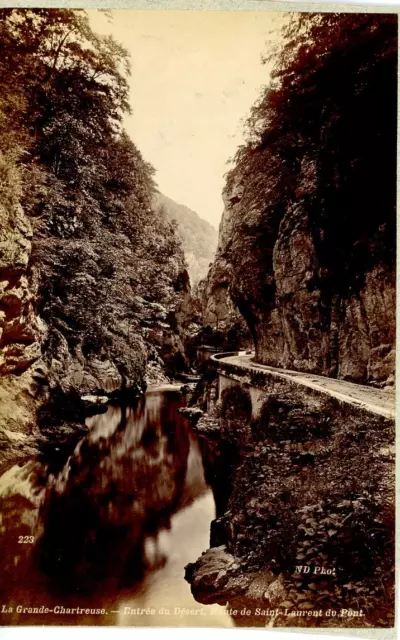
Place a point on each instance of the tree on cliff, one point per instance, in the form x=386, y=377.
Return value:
x=66, y=91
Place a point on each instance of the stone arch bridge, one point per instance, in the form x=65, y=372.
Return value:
x=238, y=368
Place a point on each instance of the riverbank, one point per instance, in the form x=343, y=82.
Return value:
x=37, y=421
x=305, y=506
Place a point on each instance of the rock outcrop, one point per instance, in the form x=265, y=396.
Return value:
x=19, y=326
x=21, y=333
x=211, y=318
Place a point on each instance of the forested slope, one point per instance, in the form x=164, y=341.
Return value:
x=91, y=274
x=199, y=238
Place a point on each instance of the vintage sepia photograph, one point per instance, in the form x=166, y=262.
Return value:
x=197, y=318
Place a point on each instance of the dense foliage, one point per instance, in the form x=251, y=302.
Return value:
x=99, y=248
x=301, y=486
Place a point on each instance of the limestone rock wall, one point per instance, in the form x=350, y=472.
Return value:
x=307, y=239
x=21, y=333
x=19, y=326
x=333, y=317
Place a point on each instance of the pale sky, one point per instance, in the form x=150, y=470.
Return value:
x=195, y=75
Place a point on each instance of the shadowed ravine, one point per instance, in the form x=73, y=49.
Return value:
x=117, y=526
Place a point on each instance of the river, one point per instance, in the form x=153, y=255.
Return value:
x=113, y=531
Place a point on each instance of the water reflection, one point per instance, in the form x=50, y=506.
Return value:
x=118, y=524
x=122, y=484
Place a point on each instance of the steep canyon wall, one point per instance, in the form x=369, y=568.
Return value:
x=307, y=239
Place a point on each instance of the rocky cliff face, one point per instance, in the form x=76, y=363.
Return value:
x=20, y=333
x=307, y=239
x=221, y=324
x=303, y=313
x=304, y=482
x=199, y=238
x=91, y=277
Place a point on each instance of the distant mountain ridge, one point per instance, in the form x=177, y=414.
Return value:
x=199, y=238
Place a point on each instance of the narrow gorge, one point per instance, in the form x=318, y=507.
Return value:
x=94, y=277
x=230, y=393
x=303, y=471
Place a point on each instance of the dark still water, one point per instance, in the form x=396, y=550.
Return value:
x=106, y=541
